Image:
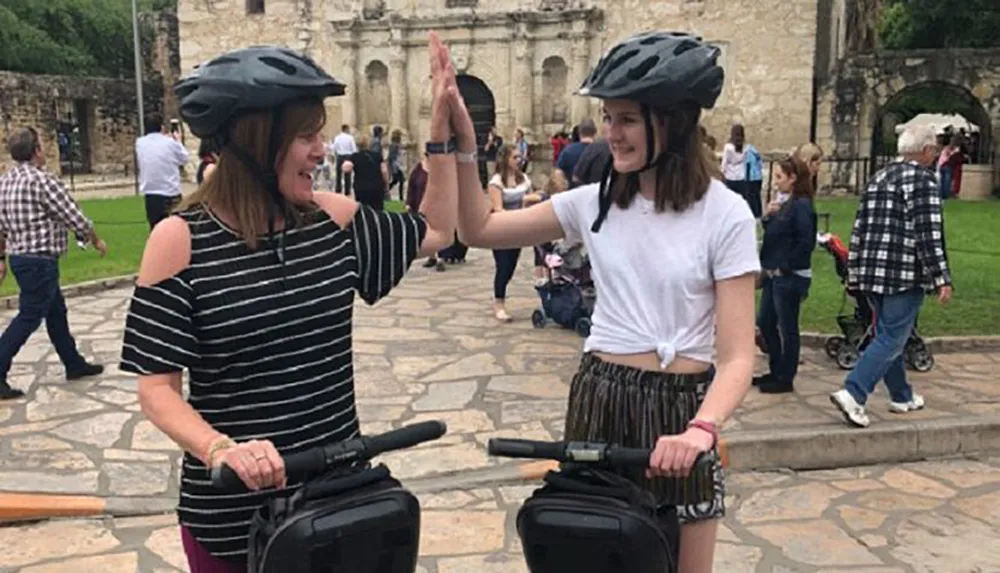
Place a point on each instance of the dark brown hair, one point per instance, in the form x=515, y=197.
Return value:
x=683, y=176
x=235, y=189
x=503, y=168
x=794, y=167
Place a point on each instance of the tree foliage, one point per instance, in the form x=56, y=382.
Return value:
x=70, y=37
x=931, y=24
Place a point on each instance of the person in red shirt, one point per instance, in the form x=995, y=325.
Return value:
x=559, y=141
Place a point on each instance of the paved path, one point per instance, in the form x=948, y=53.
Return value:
x=930, y=517
x=431, y=350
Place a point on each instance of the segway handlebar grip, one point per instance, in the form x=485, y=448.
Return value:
x=628, y=457
x=405, y=437
x=223, y=477
x=513, y=448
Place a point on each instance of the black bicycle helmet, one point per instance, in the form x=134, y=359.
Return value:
x=253, y=78
x=244, y=80
x=659, y=70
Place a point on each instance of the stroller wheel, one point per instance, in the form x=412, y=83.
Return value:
x=583, y=327
x=847, y=357
x=833, y=345
x=920, y=360
x=537, y=319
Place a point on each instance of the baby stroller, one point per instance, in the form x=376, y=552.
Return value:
x=568, y=293
x=857, y=329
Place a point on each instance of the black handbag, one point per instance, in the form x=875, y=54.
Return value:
x=588, y=520
x=358, y=521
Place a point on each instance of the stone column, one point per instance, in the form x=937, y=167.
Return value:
x=398, y=89
x=349, y=105
x=523, y=83
x=580, y=52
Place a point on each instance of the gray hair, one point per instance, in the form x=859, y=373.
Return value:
x=915, y=139
x=23, y=143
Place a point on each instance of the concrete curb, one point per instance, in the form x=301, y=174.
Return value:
x=794, y=449
x=942, y=344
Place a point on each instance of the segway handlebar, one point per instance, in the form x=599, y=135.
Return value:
x=590, y=453
x=324, y=458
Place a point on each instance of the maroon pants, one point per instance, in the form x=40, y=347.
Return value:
x=201, y=561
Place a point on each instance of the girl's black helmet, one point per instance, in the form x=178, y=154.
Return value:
x=253, y=78
x=660, y=70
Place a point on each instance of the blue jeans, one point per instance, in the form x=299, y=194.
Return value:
x=778, y=320
x=40, y=300
x=883, y=359
x=946, y=177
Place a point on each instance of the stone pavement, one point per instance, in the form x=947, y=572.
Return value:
x=928, y=517
x=430, y=351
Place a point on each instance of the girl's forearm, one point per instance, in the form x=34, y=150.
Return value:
x=732, y=381
x=440, y=194
x=473, y=208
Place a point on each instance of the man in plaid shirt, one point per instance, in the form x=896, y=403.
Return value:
x=897, y=255
x=35, y=212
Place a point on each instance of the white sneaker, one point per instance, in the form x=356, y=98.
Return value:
x=853, y=412
x=917, y=403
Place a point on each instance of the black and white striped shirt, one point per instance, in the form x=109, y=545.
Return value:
x=268, y=348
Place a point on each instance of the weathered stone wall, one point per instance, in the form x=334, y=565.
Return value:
x=41, y=101
x=516, y=46
x=163, y=59
x=851, y=102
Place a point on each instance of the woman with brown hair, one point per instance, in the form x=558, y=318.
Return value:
x=674, y=258
x=507, y=190
x=250, y=287
x=786, y=259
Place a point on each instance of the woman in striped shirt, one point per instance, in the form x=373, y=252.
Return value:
x=250, y=288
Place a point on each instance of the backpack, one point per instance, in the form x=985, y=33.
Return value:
x=360, y=521
x=588, y=520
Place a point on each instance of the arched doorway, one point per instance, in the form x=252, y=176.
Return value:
x=482, y=107
x=933, y=97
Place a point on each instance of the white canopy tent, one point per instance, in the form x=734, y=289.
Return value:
x=939, y=122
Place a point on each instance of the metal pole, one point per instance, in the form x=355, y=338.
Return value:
x=138, y=86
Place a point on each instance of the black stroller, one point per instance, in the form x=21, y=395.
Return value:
x=857, y=329
x=568, y=294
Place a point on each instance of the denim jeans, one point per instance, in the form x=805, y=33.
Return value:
x=883, y=359
x=946, y=177
x=778, y=320
x=40, y=300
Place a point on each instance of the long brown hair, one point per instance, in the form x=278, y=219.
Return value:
x=795, y=167
x=683, y=175
x=503, y=168
x=236, y=190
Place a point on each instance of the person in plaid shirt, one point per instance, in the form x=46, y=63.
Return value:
x=897, y=254
x=35, y=212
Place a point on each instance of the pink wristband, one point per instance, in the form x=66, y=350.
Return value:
x=706, y=426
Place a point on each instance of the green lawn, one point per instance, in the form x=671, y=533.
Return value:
x=973, y=245
x=973, y=254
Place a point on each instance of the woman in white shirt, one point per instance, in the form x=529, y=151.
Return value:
x=674, y=257
x=507, y=190
x=734, y=162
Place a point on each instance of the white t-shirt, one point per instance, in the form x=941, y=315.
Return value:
x=655, y=272
x=160, y=158
x=734, y=163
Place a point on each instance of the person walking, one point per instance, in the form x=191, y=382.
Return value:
x=897, y=254
x=160, y=156
x=674, y=260
x=36, y=211
x=344, y=146
x=507, y=190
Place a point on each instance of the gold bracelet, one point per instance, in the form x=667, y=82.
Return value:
x=218, y=444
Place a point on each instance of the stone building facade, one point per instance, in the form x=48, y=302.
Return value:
x=103, y=110
x=100, y=115
x=521, y=60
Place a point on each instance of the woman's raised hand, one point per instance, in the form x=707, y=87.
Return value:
x=446, y=91
x=440, y=104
